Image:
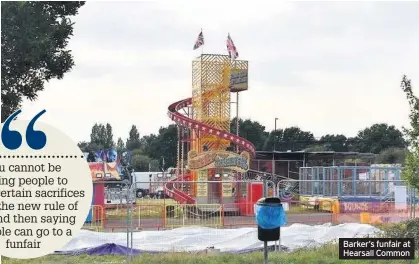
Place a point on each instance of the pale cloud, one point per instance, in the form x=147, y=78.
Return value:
x=326, y=67
x=224, y=15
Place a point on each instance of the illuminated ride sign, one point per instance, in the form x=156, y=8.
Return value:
x=102, y=171
x=239, y=76
x=218, y=159
x=238, y=80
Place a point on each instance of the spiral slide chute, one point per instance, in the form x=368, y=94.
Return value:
x=194, y=124
x=176, y=194
x=187, y=122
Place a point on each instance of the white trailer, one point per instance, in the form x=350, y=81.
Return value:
x=150, y=183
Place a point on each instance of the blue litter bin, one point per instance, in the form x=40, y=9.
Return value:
x=270, y=216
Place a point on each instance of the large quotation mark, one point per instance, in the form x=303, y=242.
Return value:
x=13, y=139
x=35, y=139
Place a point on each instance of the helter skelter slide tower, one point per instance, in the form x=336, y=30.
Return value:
x=213, y=153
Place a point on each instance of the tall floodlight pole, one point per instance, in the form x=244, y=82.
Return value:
x=273, y=152
x=163, y=164
x=276, y=119
x=237, y=118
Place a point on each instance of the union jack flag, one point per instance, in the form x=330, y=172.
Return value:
x=199, y=41
x=231, y=48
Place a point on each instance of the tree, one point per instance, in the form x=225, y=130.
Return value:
x=294, y=139
x=410, y=172
x=89, y=146
x=95, y=135
x=391, y=156
x=271, y=138
x=154, y=165
x=108, y=140
x=352, y=143
x=84, y=146
x=378, y=137
x=34, y=38
x=164, y=146
x=140, y=162
x=98, y=136
x=316, y=147
x=94, y=147
x=291, y=138
x=336, y=143
x=413, y=132
x=133, y=141
x=146, y=143
x=250, y=130
x=120, y=145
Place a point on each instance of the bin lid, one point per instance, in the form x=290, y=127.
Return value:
x=269, y=201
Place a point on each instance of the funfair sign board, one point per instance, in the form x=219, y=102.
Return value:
x=218, y=159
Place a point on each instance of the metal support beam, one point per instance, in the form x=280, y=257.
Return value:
x=237, y=120
x=182, y=151
x=179, y=137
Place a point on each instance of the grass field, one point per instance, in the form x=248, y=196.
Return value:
x=327, y=254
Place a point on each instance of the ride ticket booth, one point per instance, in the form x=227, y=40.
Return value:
x=100, y=173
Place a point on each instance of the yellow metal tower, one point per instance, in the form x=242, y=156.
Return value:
x=211, y=99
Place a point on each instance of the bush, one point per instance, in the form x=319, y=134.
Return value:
x=408, y=229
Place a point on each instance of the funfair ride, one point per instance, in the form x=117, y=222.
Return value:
x=204, y=132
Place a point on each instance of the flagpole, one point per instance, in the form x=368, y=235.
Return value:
x=202, y=46
x=231, y=57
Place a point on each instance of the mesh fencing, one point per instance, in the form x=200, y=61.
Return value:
x=230, y=204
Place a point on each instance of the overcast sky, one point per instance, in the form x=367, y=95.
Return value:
x=326, y=67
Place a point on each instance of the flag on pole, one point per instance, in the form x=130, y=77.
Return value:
x=199, y=41
x=231, y=48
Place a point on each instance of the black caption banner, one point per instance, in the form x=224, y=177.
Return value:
x=376, y=248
